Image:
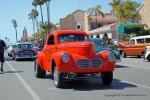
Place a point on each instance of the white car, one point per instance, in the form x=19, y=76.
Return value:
x=147, y=53
x=10, y=49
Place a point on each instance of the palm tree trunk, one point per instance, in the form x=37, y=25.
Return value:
x=16, y=34
x=41, y=13
x=48, y=12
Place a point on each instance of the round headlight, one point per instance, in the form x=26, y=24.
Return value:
x=111, y=57
x=65, y=57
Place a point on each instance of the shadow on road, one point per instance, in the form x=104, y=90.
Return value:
x=93, y=84
x=89, y=85
x=121, y=66
x=11, y=72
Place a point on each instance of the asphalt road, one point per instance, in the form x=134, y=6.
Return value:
x=131, y=82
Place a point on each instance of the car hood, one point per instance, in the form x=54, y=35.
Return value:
x=80, y=48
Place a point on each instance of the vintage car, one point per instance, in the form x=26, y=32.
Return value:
x=101, y=45
x=67, y=56
x=10, y=49
x=135, y=47
x=147, y=53
x=23, y=51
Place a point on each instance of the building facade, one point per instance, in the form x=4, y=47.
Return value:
x=76, y=21
x=144, y=12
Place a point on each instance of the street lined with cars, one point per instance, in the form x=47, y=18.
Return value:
x=128, y=81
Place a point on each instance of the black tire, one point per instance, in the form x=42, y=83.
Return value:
x=107, y=78
x=58, y=78
x=123, y=54
x=39, y=73
x=148, y=58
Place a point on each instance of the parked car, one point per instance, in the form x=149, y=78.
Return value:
x=67, y=55
x=101, y=45
x=23, y=51
x=135, y=47
x=147, y=53
x=10, y=49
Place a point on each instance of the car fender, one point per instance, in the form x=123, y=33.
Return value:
x=40, y=60
x=58, y=59
x=104, y=54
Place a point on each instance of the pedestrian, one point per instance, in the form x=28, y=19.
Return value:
x=2, y=46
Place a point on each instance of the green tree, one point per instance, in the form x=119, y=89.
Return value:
x=95, y=11
x=44, y=28
x=116, y=5
x=14, y=23
x=128, y=11
x=124, y=10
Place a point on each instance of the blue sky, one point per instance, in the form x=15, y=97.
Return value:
x=19, y=10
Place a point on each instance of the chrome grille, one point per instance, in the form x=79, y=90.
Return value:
x=83, y=63
x=96, y=63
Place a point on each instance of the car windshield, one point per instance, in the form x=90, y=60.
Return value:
x=72, y=38
x=25, y=46
x=99, y=43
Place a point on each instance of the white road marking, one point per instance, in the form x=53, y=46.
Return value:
x=140, y=85
x=25, y=84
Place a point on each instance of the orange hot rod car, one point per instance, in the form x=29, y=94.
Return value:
x=68, y=55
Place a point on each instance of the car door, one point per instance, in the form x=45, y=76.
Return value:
x=50, y=49
x=130, y=48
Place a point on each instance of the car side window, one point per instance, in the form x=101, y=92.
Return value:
x=139, y=41
x=147, y=40
x=132, y=41
x=51, y=40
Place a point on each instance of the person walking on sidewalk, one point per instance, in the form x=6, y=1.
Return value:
x=2, y=46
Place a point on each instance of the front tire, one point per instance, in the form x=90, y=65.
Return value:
x=39, y=73
x=107, y=78
x=123, y=54
x=58, y=78
x=148, y=58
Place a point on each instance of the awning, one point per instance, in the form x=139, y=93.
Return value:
x=102, y=30
x=121, y=29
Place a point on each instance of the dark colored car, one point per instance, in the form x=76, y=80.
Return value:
x=101, y=45
x=24, y=51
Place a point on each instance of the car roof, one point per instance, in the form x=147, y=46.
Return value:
x=59, y=32
x=96, y=39
x=140, y=37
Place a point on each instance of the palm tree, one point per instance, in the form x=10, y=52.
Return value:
x=96, y=11
x=39, y=3
x=115, y=5
x=124, y=10
x=33, y=15
x=129, y=10
x=48, y=11
x=14, y=23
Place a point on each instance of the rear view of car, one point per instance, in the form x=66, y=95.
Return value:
x=24, y=51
